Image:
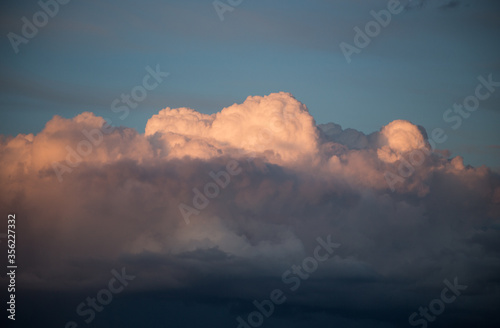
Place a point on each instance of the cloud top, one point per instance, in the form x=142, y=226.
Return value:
x=277, y=125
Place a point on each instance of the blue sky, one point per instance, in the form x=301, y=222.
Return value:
x=425, y=60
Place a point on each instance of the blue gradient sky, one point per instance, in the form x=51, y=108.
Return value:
x=427, y=59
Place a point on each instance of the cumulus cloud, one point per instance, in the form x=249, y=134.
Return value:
x=118, y=203
x=277, y=125
x=397, y=138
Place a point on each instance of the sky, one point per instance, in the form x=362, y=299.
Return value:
x=427, y=59
x=252, y=163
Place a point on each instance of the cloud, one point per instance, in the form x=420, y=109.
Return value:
x=277, y=125
x=399, y=137
x=119, y=204
x=440, y=4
